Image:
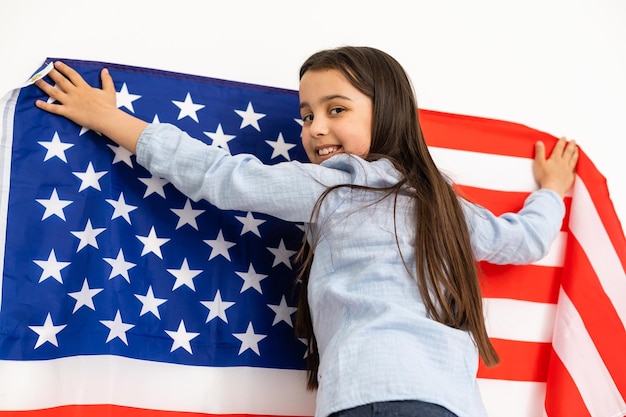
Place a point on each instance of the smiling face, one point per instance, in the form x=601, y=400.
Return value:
x=336, y=116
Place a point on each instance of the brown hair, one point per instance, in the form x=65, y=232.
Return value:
x=445, y=270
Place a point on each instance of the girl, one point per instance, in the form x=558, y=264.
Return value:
x=394, y=316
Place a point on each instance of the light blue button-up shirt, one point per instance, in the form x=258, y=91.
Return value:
x=375, y=340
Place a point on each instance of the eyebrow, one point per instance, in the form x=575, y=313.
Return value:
x=326, y=99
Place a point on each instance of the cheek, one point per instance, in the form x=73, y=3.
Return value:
x=308, y=147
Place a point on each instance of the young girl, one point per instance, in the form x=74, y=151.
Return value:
x=391, y=281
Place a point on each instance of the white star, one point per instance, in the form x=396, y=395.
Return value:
x=282, y=255
x=155, y=119
x=120, y=208
x=150, y=304
x=187, y=215
x=251, y=279
x=219, y=246
x=88, y=236
x=305, y=343
x=217, y=308
x=84, y=130
x=301, y=123
x=220, y=139
x=84, y=297
x=90, y=178
x=188, y=108
x=152, y=243
x=250, y=224
x=125, y=99
x=56, y=148
x=54, y=206
x=184, y=275
x=119, y=266
x=121, y=155
x=249, y=117
x=48, y=332
x=283, y=312
x=280, y=147
x=249, y=340
x=51, y=268
x=155, y=185
x=181, y=338
x=117, y=328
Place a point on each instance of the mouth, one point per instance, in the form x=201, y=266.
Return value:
x=327, y=150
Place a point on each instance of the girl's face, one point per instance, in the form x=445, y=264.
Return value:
x=337, y=118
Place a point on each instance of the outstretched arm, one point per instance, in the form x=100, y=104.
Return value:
x=90, y=107
x=557, y=172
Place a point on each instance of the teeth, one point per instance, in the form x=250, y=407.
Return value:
x=326, y=151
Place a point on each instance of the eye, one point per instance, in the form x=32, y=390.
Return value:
x=307, y=118
x=337, y=110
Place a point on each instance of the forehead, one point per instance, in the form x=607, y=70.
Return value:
x=321, y=83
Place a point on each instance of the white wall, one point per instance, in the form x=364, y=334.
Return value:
x=554, y=65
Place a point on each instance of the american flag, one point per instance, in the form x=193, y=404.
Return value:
x=119, y=295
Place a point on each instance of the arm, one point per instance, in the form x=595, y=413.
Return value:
x=526, y=236
x=516, y=238
x=90, y=107
x=288, y=190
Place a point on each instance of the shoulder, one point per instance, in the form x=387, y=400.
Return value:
x=377, y=173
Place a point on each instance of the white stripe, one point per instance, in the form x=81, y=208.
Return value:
x=525, y=321
x=578, y=353
x=492, y=172
x=7, y=112
x=153, y=385
x=556, y=254
x=38, y=75
x=512, y=398
x=485, y=170
x=586, y=226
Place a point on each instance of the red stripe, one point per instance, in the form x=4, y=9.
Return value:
x=535, y=283
x=497, y=201
x=519, y=361
x=481, y=135
x=597, y=312
x=562, y=396
x=108, y=410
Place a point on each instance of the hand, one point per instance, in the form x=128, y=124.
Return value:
x=90, y=107
x=557, y=172
x=79, y=102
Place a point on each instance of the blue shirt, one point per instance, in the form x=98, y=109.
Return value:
x=375, y=340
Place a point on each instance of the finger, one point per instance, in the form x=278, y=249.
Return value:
x=571, y=146
x=572, y=149
x=540, y=151
x=70, y=73
x=51, y=108
x=107, y=81
x=559, y=147
x=60, y=80
x=50, y=90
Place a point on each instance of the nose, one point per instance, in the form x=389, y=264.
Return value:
x=318, y=127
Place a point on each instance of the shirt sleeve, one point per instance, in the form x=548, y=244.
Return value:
x=286, y=190
x=516, y=238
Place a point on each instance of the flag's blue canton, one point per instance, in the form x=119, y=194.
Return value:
x=103, y=259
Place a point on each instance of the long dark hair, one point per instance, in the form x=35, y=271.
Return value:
x=445, y=269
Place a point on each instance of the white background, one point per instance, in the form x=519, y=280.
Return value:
x=554, y=65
